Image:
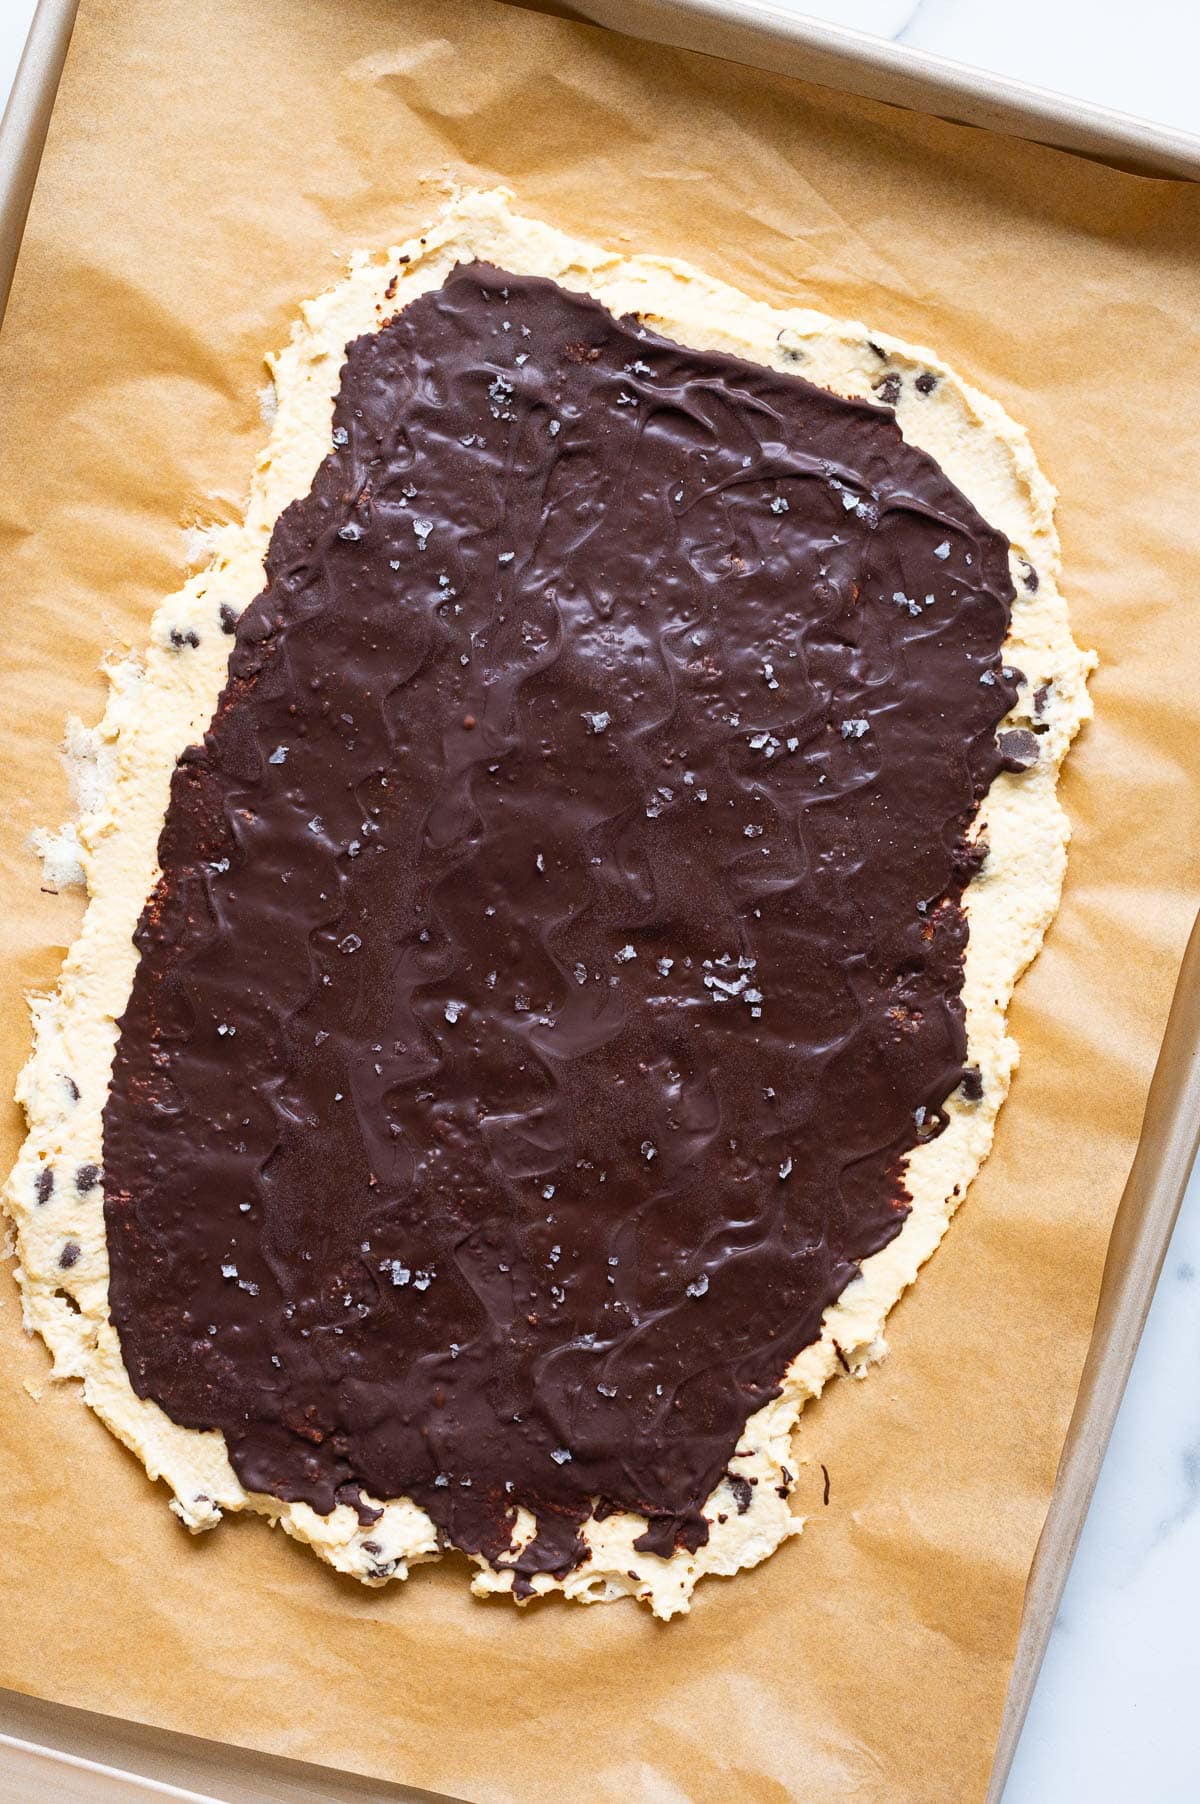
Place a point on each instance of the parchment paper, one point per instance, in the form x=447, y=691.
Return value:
x=210, y=163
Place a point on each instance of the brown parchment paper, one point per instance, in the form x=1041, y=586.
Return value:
x=210, y=163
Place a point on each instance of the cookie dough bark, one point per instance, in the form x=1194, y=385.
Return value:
x=651, y=1539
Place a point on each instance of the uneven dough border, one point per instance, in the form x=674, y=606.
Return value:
x=160, y=703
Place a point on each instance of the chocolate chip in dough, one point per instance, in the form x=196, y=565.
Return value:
x=1018, y=749
x=742, y=1492
x=972, y=1083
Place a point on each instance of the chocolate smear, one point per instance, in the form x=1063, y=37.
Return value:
x=501, y=1101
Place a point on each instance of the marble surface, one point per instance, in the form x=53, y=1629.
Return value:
x=1136, y=55
x=1113, y=1717
x=14, y=24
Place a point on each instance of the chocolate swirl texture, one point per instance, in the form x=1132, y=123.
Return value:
x=559, y=935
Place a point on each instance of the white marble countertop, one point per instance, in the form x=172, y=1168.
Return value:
x=1113, y=1718
x=1135, y=55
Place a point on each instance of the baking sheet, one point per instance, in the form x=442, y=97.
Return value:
x=176, y=225
x=768, y=35
x=23, y=124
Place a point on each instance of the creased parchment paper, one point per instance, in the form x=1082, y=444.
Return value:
x=209, y=165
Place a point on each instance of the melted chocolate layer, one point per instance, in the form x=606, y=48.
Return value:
x=558, y=945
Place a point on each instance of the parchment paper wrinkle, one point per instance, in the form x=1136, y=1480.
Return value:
x=211, y=162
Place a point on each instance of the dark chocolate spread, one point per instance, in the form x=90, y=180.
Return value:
x=559, y=939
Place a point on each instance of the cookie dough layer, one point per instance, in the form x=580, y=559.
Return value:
x=159, y=708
